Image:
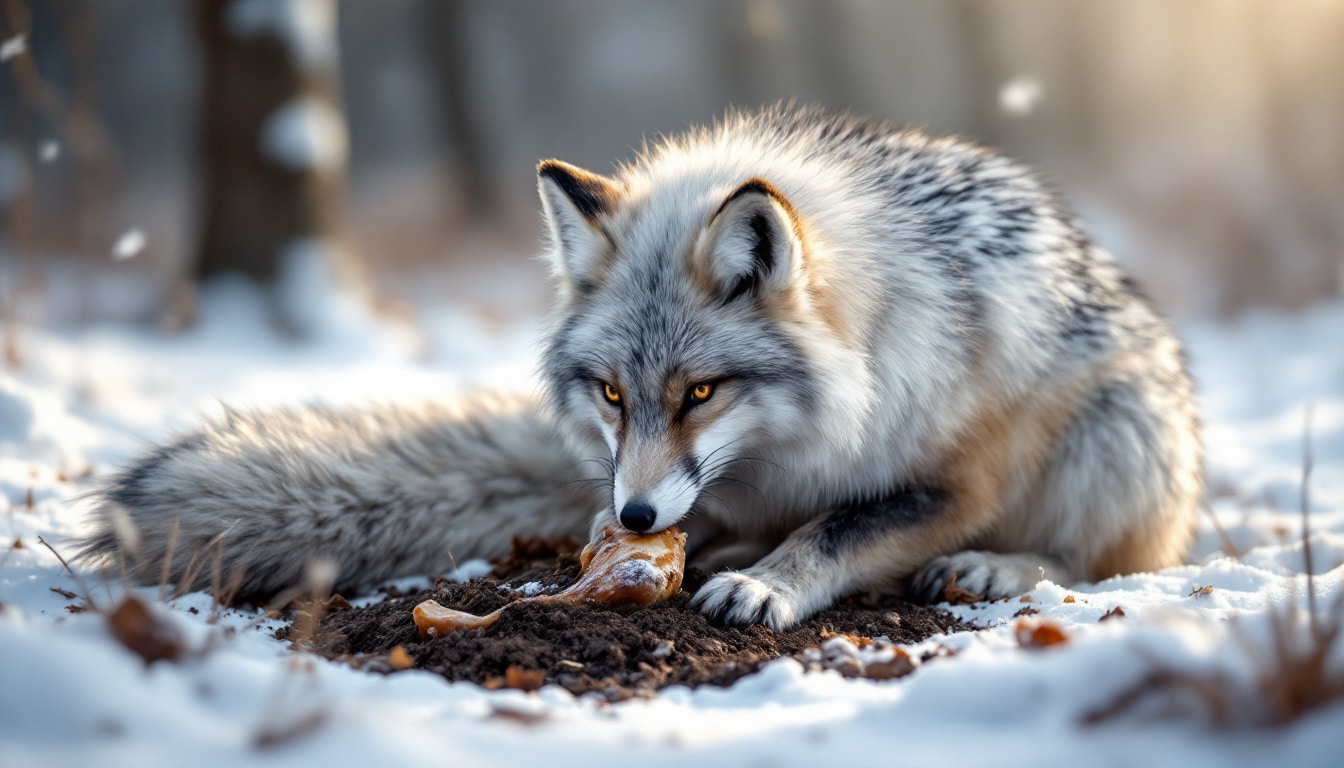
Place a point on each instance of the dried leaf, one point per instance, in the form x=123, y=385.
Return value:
x=900, y=665
x=271, y=736
x=858, y=641
x=1039, y=634
x=1115, y=613
x=524, y=679
x=1027, y=611
x=1069, y=599
x=18, y=544
x=500, y=712
x=1201, y=591
x=67, y=594
x=142, y=631
x=398, y=658
x=958, y=596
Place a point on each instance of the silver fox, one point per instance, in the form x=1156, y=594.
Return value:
x=843, y=355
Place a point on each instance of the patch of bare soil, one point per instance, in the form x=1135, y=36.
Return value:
x=617, y=652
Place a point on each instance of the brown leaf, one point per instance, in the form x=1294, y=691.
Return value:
x=900, y=665
x=18, y=544
x=524, y=679
x=67, y=594
x=1201, y=591
x=1115, y=613
x=142, y=631
x=272, y=735
x=500, y=712
x=858, y=641
x=337, y=603
x=74, y=608
x=1039, y=634
x=1026, y=611
x=1069, y=599
x=958, y=596
x=398, y=658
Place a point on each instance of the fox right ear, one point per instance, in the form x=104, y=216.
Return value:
x=751, y=246
x=574, y=202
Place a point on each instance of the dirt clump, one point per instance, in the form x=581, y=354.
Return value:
x=614, y=651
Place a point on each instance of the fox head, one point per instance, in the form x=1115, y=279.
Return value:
x=683, y=334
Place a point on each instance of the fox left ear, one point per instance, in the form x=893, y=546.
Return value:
x=751, y=245
x=574, y=202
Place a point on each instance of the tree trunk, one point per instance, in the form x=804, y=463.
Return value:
x=273, y=141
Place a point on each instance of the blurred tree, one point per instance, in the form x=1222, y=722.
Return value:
x=274, y=146
x=449, y=47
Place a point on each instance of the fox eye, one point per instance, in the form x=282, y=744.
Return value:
x=612, y=395
x=701, y=392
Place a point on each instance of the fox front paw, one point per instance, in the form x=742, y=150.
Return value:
x=736, y=598
x=990, y=575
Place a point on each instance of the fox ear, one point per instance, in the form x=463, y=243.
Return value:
x=751, y=245
x=573, y=201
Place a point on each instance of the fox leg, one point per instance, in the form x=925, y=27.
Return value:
x=863, y=544
x=989, y=574
x=879, y=543
x=1117, y=494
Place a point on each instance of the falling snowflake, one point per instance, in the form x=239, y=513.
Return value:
x=13, y=47
x=128, y=245
x=1020, y=96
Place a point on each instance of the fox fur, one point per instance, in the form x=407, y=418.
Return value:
x=842, y=354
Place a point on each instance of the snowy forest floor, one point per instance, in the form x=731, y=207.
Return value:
x=1215, y=662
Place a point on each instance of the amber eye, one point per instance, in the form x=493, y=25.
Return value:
x=609, y=392
x=701, y=392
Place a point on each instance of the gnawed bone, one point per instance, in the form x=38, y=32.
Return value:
x=621, y=568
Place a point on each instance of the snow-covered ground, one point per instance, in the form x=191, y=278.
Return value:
x=70, y=694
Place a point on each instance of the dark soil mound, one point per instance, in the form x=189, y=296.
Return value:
x=616, y=651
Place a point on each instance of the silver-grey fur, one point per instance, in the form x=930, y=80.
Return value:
x=380, y=492
x=921, y=366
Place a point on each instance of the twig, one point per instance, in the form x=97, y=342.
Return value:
x=1231, y=548
x=88, y=596
x=1307, y=461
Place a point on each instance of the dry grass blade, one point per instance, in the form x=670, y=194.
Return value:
x=1307, y=460
x=166, y=570
x=1293, y=671
x=321, y=575
x=84, y=588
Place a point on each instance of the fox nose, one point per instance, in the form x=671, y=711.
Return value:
x=637, y=516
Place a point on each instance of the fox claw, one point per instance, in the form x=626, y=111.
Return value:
x=737, y=598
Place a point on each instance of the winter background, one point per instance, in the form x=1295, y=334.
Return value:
x=262, y=202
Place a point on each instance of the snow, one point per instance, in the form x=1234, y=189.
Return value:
x=305, y=26
x=70, y=694
x=1020, y=96
x=129, y=245
x=306, y=134
x=13, y=47
x=49, y=151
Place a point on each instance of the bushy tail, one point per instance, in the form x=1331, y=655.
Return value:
x=250, y=499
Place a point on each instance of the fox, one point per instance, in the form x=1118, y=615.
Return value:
x=842, y=354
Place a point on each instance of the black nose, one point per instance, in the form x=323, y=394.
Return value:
x=637, y=516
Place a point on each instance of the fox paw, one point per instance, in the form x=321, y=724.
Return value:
x=736, y=597
x=989, y=574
